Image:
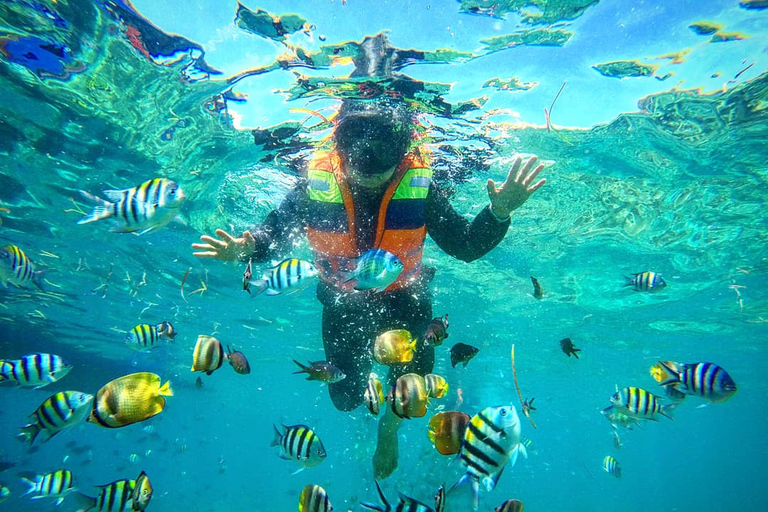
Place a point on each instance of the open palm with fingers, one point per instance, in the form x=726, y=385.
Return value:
x=225, y=247
x=517, y=188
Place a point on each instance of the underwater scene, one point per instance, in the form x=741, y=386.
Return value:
x=383, y=255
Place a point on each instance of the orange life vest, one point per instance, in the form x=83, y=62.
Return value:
x=400, y=227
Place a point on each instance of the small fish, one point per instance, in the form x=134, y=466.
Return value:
x=288, y=276
x=705, y=380
x=51, y=485
x=437, y=331
x=406, y=503
x=142, y=209
x=57, y=412
x=462, y=353
x=612, y=466
x=238, y=361
x=313, y=498
x=322, y=371
x=617, y=418
x=113, y=497
x=646, y=282
x=5, y=493
x=374, y=395
x=408, y=396
x=208, y=355
x=639, y=403
x=616, y=439
x=301, y=444
x=142, y=493
x=199, y=383
x=446, y=431
x=566, y=345
x=33, y=370
x=129, y=399
x=375, y=270
x=675, y=395
x=394, y=347
x=17, y=269
x=510, y=506
x=144, y=337
x=538, y=293
x=247, y=276
x=528, y=445
x=440, y=499
x=528, y=407
x=492, y=440
x=437, y=386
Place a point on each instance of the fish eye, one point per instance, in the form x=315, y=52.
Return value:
x=503, y=412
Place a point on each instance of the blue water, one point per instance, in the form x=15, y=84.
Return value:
x=643, y=174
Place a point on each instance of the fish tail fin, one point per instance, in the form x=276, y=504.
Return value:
x=666, y=410
x=37, y=279
x=84, y=503
x=102, y=210
x=165, y=389
x=278, y=436
x=29, y=433
x=31, y=484
x=260, y=287
x=575, y=354
x=673, y=377
x=304, y=369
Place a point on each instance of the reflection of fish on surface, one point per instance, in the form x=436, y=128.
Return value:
x=313, y=498
x=17, y=269
x=462, y=353
x=446, y=431
x=408, y=396
x=394, y=347
x=51, y=485
x=491, y=440
x=322, y=371
x=57, y=412
x=129, y=399
x=33, y=370
x=299, y=443
x=141, y=209
x=406, y=503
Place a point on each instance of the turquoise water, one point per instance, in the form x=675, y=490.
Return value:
x=643, y=174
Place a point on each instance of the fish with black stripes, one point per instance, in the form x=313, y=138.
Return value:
x=408, y=397
x=57, y=485
x=641, y=404
x=116, y=496
x=313, y=498
x=491, y=441
x=437, y=331
x=142, y=492
x=612, y=466
x=374, y=394
x=510, y=506
x=440, y=499
x=300, y=444
x=34, y=370
x=646, y=281
x=208, y=355
x=139, y=210
x=375, y=270
x=57, y=412
x=288, y=276
x=17, y=269
x=144, y=337
x=405, y=504
x=437, y=386
x=705, y=380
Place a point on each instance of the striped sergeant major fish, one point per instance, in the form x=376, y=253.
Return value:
x=288, y=276
x=139, y=210
x=52, y=485
x=491, y=440
x=639, y=403
x=208, y=355
x=612, y=466
x=301, y=444
x=705, y=380
x=374, y=270
x=145, y=336
x=33, y=370
x=646, y=281
x=113, y=497
x=314, y=499
x=406, y=503
x=57, y=412
x=17, y=269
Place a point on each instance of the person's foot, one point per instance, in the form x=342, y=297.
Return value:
x=385, y=457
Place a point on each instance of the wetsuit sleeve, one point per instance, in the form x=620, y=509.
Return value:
x=456, y=235
x=276, y=235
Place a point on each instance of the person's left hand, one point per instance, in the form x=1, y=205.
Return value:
x=516, y=189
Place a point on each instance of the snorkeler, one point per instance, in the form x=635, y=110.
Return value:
x=373, y=190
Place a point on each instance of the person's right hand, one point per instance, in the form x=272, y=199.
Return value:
x=225, y=247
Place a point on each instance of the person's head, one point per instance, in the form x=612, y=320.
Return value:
x=372, y=137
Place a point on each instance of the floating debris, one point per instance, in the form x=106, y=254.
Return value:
x=513, y=84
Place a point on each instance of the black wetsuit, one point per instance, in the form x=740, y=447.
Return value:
x=351, y=321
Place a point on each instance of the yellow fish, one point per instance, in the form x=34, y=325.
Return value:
x=408, y=397
x=129, y=399
x=208, y=355
x=394, y=347
x=437, y=386
x=660, y=374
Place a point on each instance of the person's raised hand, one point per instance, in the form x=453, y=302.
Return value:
x=516, y=189
x=225, y=247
